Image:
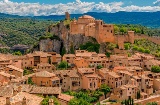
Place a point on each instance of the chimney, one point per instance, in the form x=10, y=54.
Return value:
x=24, y=102
x=8, y=101
x=15, y=92
x=51, y=102
x=19, y=89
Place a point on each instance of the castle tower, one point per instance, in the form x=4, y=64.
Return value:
x=8, y=101
x=131, y=36
x=99, y=30
x=67, y=16
x=24, y=101
x=51, y=102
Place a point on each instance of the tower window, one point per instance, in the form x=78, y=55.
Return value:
x=111, y=31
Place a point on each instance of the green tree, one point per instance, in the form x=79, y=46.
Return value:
x=63, y=65
x=138, y=95
x=155, y=69
x=49, y=60
x=104, y=88
x=17, y=53
x=72, y=49
x=108, y=54
x=99, y=66
x=30, y=81
x=63, y=51
x=147, y=51
x=152, y=103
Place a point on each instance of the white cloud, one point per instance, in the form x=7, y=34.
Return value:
x=36, y=9
x=157, y=3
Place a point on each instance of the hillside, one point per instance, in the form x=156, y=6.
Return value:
x=20, y=30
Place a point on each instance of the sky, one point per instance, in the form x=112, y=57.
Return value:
x=59, y=7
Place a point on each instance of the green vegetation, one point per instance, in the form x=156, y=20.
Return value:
x=146, y=46
x=27, y=71
x=111, y=46
x=17, y=53
x=130, y=101
x=5, y=50
x=88, y=97
x=30, y=81
x=63, y=65
x=138, y=95
x=46, y=100
x=22, y=31
x=91, y=47
x=152, y=103
x=49, y=36
x=139, y=29
x=99, y=66
x=108, y=54
x=127, y=46
x=63, y=51
x=105, y=89
x=155, y=69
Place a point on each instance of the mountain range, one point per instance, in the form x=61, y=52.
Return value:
x=148, y=19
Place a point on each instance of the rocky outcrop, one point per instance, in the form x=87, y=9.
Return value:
x=49, y=45
x=66, y=40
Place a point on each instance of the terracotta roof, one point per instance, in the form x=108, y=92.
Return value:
x=154, y=62
x=104, y=70
x=126, y=72
x=127, y=86
x=6, y=91
x=58, y=55
x=136, y=77
x=44, y=74
x=17, y=99
x=92, y=76
x=54, y=79
x=43, y=64
x=46, y=90
x=15, y=68
x=86, y=70
x=39, y=53
x=6, y=74
x=65, y=97
x=69, y=55
x=86, y=16
x=113, y=74
x=70, y=73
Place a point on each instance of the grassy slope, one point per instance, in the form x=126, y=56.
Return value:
x=22, y=30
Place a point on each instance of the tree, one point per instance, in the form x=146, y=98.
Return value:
x=152, y=103
x=17, y=53
x=99, y=66
x=49, y=60
x=147, y=51
x=63, y=51
x=108, y=54
x=155, y=69
x=104, y=88
x=63, y=65
x=138, y=95
x=30, y=81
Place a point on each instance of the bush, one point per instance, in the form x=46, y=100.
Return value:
x=63, y=65
x=91, y=47
x=155, y=69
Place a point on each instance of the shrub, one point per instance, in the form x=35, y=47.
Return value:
x=155, y=69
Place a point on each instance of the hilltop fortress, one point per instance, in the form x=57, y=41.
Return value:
x=88, y=26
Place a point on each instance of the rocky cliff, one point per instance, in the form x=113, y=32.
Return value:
x=65, y=41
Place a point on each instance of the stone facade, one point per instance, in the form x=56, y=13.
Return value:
x=89, y=26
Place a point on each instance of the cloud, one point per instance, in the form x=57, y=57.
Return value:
x=157, y=3
x=36, y=9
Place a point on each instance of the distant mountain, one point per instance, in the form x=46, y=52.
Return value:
x=149, y=19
